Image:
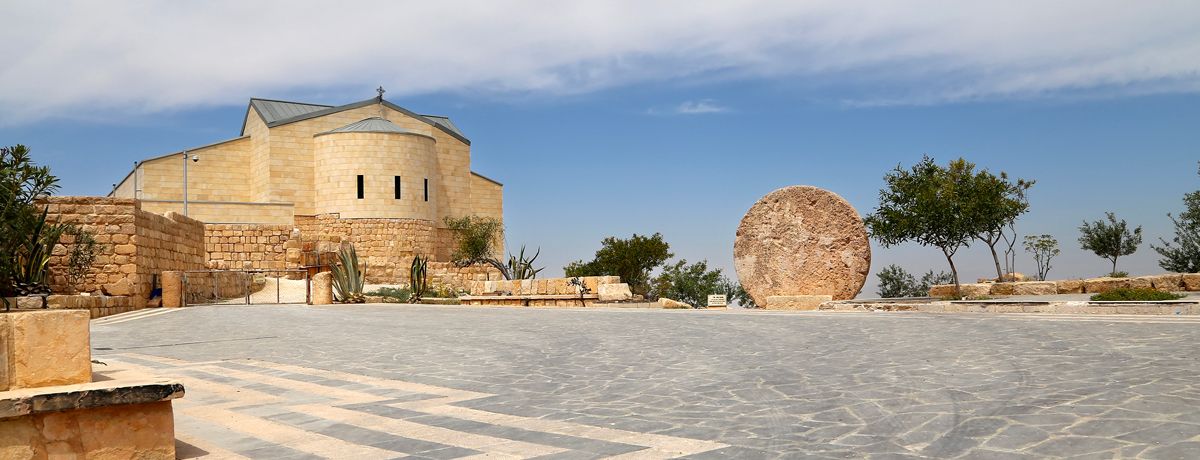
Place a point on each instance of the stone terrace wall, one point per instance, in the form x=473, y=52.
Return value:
x=170, y=242
x=387, y=246
x=249, y=246
x=111, y=220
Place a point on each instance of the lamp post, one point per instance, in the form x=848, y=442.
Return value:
x=194, y=159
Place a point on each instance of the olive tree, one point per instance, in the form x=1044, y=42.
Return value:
x=1111, y=239
x=998, y=202
x=930, y=205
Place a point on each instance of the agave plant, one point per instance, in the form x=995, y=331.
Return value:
x=418, y=275
x=520, y=268
x=349, y=276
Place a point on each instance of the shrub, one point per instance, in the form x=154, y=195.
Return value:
x=894, y=282
x=632, y=259
x=1118, y=275
x=1135, y=294
x=693, y=283
x=392, y=295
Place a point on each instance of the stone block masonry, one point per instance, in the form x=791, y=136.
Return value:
x=248, y=246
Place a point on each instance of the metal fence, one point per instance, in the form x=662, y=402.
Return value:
x=246, y=287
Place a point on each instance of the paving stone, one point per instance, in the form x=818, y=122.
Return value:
x=811, y=385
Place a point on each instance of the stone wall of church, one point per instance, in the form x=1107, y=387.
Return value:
x=379, y=158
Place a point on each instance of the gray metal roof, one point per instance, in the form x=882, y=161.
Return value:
x=445, y=123
x=373, y=125
x=273, y=111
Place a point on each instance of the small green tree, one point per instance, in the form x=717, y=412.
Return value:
x=82, y=254
x=632, y=259
x=930, y=205
x=1182, y=253
x=1111, y=239
x=996, y=204
x=477, y=238
x=1044, y=248
x=693, y=283
x=895, y=282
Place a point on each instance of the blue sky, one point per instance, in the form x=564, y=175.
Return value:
x=604, y=124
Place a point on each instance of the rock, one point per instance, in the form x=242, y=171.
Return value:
x=941, y=290
x=322, y=288
x=802, y=240
x=31, y=302
x=1002, y=289
x=1035, y=288
x=968, y=290
x=1191, y=281
x=668, y=303
x=1169, y=282
x=1141, y=282
x=615, y=292
x=1014, y=277
x=123, y=286
x=1068, y=286
x=1098, y=285
x=796, y=302
x=974, y=290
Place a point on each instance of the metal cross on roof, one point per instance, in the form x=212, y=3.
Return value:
x=380, y=91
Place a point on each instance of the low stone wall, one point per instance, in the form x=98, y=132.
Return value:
x=97, y=305
x=1170, y=282
x=133, y=247
x=1177, y=308
x=170, y=242
x=543, y=286
x=587, y=300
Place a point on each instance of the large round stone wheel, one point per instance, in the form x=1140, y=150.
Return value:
x=802, y=240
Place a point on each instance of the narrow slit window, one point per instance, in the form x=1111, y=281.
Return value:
x=360, y=186
x=397, y=187
x=427, y=189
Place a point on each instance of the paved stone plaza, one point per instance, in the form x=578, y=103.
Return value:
x=449, y=382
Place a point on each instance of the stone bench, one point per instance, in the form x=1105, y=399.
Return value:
x=107, y=419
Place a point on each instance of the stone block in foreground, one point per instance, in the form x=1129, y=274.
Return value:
x=796, y=302
x=45, y=347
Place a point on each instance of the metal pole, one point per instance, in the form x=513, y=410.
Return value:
x=185, y=181
x=276, y=289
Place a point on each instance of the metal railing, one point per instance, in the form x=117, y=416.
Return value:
x=246, y=287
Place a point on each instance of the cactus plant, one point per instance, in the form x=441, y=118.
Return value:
x=349, y=276
x=418, y=275
x=520, y=268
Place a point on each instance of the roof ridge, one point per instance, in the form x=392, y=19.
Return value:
x=288, y=102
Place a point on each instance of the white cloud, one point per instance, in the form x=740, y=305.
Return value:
x=128, y=57
x=700, y=107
